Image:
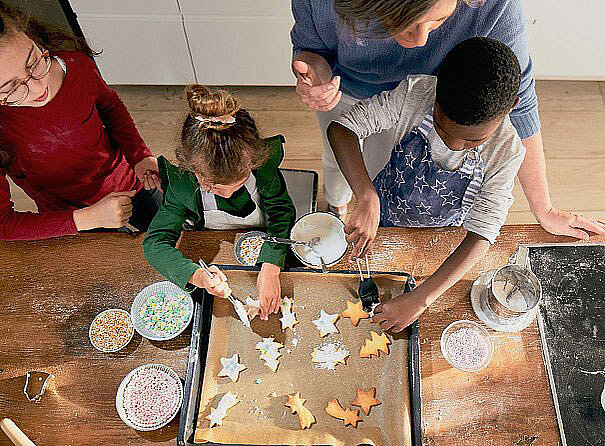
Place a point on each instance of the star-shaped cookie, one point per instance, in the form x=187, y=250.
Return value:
x=366, y=399
x=231, y=367
x=329, y=355
x=355, y=312
x=325, y=323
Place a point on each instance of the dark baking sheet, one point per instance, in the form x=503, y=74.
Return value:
x=199, y=346
x=572, y=327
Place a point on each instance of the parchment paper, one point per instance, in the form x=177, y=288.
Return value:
x=261, y=417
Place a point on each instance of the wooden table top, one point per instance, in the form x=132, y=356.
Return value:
x=52, y=289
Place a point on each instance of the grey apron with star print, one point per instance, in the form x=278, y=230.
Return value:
x=415, y=192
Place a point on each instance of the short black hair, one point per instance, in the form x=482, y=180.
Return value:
x=478, y=81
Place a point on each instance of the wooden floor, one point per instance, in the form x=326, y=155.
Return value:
x=573, y=127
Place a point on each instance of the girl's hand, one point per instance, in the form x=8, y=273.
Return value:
x=363, y=224
x=315, y=85
x=147, y=171
x=112, y=211
x=400, y=311
x=269, y=290
x=216, y=285
x=560, y=222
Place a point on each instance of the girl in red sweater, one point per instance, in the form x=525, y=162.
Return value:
x=66, y=139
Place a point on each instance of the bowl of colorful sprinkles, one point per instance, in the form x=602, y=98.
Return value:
x=111, y=330
x=149, y=397
x=247, y=247
x=467, y=346
x=161, y=311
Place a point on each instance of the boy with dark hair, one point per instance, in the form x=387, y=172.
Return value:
x=452, y=162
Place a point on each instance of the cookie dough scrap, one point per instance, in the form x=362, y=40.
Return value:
x=288, y=319
x=366, y=399
x=296, y=405
x=231, y=367
x=350, y=417
x=217, y=414
x=355, y=312
x=269, y=352
x=373, y=347
x=325, y=323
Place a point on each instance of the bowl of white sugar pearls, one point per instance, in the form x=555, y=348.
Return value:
x=467, y=346
x=326, y=232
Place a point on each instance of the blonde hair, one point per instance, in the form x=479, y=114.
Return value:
x=219, y=139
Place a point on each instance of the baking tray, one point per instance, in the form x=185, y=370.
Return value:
x=202, y=319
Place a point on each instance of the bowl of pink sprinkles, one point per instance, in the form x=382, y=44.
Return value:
x=467, y=346
x=149, y=397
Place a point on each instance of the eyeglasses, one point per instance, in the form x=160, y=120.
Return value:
x=37, y=71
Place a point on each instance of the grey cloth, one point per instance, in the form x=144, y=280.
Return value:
x=404, y=108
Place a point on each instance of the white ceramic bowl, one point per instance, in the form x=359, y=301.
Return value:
x=332, y=244
x=102, y=314
x=141, y=299
x=480, y=331
x=137, y=424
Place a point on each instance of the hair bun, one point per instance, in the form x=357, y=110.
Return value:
x=211, y=103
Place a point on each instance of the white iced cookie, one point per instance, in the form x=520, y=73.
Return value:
x=329, y=355
x=603, y=397
x=217, y=414
x=325, y=323
x=288, y=319
x=231, y=367
x=269, y=352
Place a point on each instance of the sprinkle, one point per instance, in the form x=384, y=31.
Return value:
x=151, y=397
x=164, y=313
x=111, y=330
x=466, y=348
x=250, y=249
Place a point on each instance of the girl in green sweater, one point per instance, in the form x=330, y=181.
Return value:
x=227, y=178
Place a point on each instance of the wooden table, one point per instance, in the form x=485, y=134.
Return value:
x=52, y=289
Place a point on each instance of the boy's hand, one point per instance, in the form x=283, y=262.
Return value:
x=269, y=290
x=315, y=85
x=399, y=312
x=216, y=285
x=363, y=224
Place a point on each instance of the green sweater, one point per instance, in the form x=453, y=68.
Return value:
x=183, y=201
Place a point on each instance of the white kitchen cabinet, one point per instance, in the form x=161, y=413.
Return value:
x=143, y=41
x=564, y=39
x=240, y=43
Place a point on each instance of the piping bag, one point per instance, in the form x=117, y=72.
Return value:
x=237, y=304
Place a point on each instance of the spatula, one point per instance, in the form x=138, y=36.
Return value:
x=368, y=290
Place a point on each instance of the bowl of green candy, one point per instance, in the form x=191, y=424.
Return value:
x=161, y=311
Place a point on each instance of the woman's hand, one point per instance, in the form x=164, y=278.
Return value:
x=560, y=222
x=147, y=171
x=217, y=284
x=400, y=311
x=112, y=211
x=269, y=290
x=363, y=224
x=314, y=83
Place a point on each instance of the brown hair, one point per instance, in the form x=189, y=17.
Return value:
x=220, y=151
x=13, y=19
x=384, y=18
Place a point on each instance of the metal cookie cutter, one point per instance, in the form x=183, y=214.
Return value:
x=35, y=383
